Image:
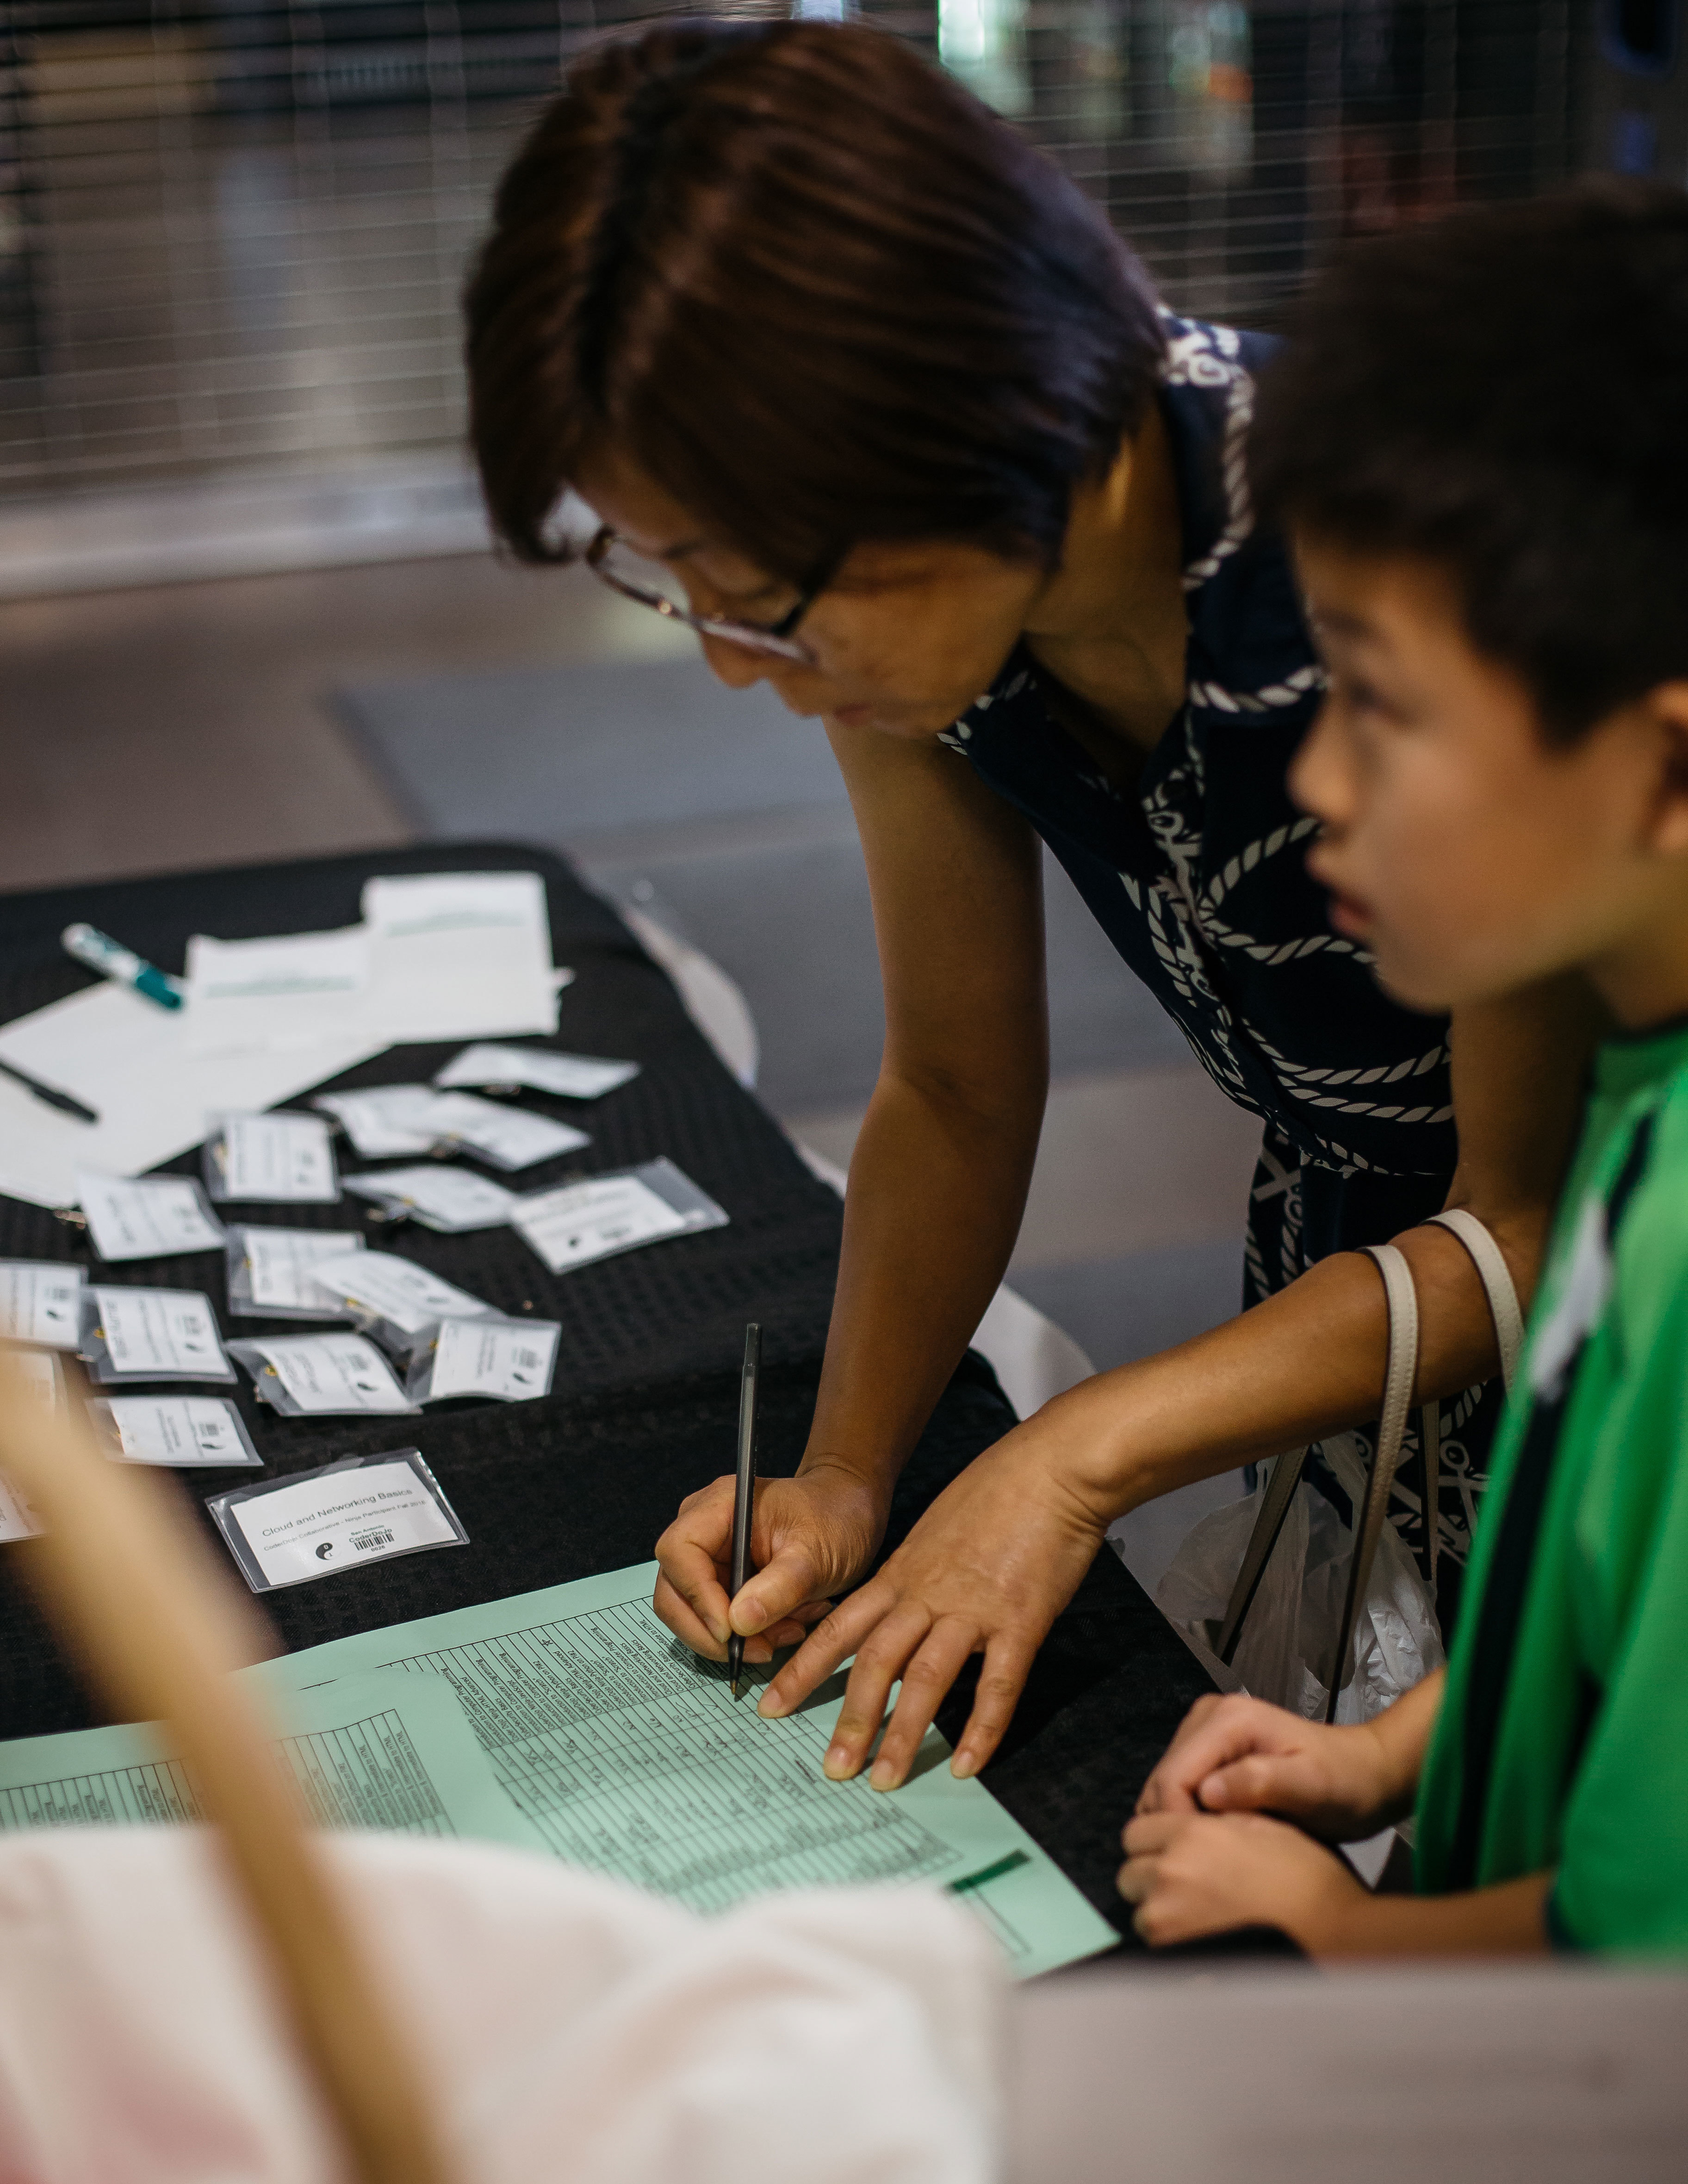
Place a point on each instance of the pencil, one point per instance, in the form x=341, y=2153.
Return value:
x=744, y=1488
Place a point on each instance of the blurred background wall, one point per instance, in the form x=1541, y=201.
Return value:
x=232, y=231
x=247, y=605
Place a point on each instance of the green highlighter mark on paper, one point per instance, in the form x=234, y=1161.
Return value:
x=623, y=1754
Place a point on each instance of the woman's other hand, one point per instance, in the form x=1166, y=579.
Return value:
x=811, y=1539
x=986, y=1570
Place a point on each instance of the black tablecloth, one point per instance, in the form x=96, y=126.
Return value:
x=645, y=1398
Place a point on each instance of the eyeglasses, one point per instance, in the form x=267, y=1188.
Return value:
x=773, y=640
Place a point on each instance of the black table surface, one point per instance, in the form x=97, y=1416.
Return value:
x=645, y=1397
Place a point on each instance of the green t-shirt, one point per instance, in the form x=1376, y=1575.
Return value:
x=1562, y=1740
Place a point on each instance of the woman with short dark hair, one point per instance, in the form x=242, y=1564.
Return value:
x=900, y=424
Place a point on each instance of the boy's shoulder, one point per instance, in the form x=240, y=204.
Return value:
x=1646, y=1198
x=1619, y=1258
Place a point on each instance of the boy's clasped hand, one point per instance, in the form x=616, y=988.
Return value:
x=1231, y=1828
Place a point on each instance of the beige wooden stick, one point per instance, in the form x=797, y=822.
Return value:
x=157, y=1629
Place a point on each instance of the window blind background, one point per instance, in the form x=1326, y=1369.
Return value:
x=232, y=232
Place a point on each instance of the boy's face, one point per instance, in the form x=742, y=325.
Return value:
x=1469, y=856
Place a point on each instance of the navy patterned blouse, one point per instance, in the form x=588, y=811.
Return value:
x=1197, y=875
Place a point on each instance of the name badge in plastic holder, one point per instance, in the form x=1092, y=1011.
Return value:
x=321, y=1376
x=276, y=1158
x=580, y=1223
x=152, y=1335
x=270, y=1272
x=153, y=1219
x=509, y=1138
x=384, y=1120
x=539, y=1069
x=180, y=1431
x=510, y=1360
x=393, y=1299
x=40, y=1301
x=447, y=1199
x=362, y=1509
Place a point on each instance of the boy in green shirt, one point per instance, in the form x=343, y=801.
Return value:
x=1479, y=441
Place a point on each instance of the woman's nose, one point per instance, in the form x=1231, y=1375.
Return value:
x=735, y=665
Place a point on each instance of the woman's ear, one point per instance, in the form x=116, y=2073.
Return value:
x=1668, y=707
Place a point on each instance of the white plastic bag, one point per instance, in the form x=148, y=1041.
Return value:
x=1290, y=1632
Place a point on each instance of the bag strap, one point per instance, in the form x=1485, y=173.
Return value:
x=1401, y=1298
x=1497, y=1283
x=1402, y=1302
x=1275, y=1507
x=1403, y=1366
x=1496, y=1277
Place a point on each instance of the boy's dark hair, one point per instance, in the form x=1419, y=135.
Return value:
x=1506, y=392
x=813, y=288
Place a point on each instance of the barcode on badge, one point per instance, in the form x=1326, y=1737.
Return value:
x=363, y=1542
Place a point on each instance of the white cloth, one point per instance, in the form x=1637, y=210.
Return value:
x=715, y=1003
x=569, y=2027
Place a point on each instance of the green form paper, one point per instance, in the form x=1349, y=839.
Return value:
x=625, y=1754
x=384, y=1751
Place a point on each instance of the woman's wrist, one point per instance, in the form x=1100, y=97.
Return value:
x=875, y=1471
x=1084, y=1443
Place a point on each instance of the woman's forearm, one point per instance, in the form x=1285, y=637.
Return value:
x=936, y=1187
x=1311, y=1361
x=1306, y=1363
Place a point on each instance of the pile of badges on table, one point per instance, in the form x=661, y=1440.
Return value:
x=397, y=1335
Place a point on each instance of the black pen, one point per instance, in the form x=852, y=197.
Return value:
x=744, y=1488
x=64, y=1101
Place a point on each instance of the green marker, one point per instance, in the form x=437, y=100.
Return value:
x=112, y=960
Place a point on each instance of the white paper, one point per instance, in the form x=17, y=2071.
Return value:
x=322, y=1525
x=396, y=1290
x=276, y=1157
x=580, y=1221
x=159, y=1334
x=179, y=1430
x=153, y=1219
x=507, y=1136
x=129, y=1060
x=40, y=1301
x=384, y=1120
x=508, y=1359
x=279, y=1263
x=566, y=1076
x=460, y=955
x=329, y=1375
x=451, y=1198
x=296, y=990
x=438, y=955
